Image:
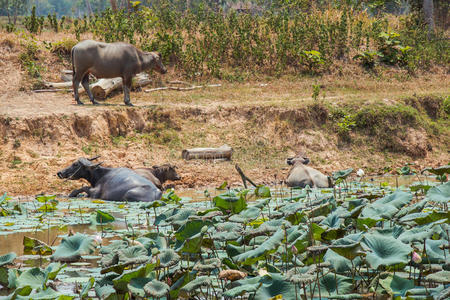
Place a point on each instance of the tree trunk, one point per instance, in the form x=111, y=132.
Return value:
x=89, y=8
x=224, y=151
x=428, y=11
x=113, y=5
x=104, y=87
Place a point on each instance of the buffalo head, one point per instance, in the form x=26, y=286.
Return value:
x=301, y=158
x=79, y=169
x=166, y=172
x=157, y=63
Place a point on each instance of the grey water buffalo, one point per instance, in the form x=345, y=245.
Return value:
x=159, y=174
x=301, y=175
x=115, y=184
x=109, y=60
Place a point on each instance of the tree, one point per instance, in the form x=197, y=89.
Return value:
x=428, y=11
x=88, y=8
x=14, y=8
x=113, y=5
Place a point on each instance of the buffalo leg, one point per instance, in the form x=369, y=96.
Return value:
x=85, y=84
x=126, y=90
x=75, y=193
x=75, y=84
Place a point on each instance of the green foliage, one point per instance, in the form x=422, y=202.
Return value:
x=368, y=58
x=313, y=60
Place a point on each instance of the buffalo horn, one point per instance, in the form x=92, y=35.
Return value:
x=94, y=158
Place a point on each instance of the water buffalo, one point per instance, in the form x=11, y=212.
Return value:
x=301, y=175
x=116, y=184
x=159, y=174
x=109, y=60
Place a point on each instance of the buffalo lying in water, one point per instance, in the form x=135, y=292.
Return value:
x=159, y=174
x=301, y=175
x=116, y=184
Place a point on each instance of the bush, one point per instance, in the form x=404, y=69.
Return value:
x=63, y=47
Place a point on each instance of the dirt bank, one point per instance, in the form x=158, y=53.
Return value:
x=33, y=149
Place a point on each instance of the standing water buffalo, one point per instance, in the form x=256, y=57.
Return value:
x=301, y=175
x=116, y=184
x=105, y=60
x=159, y=174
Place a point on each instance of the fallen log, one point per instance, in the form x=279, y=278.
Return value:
x=50, y=90
x=194, y=87
x=223, y=152
x=104, y=87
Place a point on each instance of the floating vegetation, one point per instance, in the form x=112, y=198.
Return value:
x=356, y=239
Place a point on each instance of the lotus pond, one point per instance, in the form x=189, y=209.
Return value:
x=361, y=239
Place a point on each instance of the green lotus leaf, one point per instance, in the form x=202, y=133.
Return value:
x=195, y=284
x=133, y=255
x=174, y=216
x=34, y=277
x=241, y=290
x=347, y=296
x=347, y=248
x=110, y=259
x=121, y=282
x=342, y=174
x=230, y=202
x=35, y=246
x=86, y=287
x=439, y=194
x=7, y=259
x=168, y=258
x=332, y=221
x=395, y=285
x=105, y=292
x=153, y=204
x=419, y=233
x=422, y=218
x=262, y=191
x=207, y=265
x=103, y=217
x=73, y=247
x=386, y=207
x=435, y=254
x=339, y=263
x=384, y=250
x=269, y=246
x=156, y=288
x=49, y=294
x=365, y=224
x=270, y=286
x=330, y=282
x=20, y=293
x=268, y=227
x=441, y=277
x=439, y=170
x=4, y=276
x=136, y=286
x=153, y=240
x=114, y=246
x=53, y=269
x=416, y=207
x=246, y=215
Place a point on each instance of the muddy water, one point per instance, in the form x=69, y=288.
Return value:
x=14, y=242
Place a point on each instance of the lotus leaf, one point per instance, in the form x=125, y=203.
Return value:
x=121, y=282
x=207, y=265
x=136, y=286
x=73, y=247
x=395, y=285
x=114, y=246
x=196, y=283
x=156, y=289
x=439, y=194
x=269, y=246
x=342, y=174
x=439, y=170
x=247, y=215
x=262, y=191
x=7, y=258
x=133, y=255
x=331, y=284
x=435, y=254
x=104, y=218
x=49, y=294
x=87, y=287
x=241, y=290
x=53, y=269
x=419, y=233
x=340, y=263
x=35, y=246
x=441, y=277
x=347, y=296
x=106, y=292
x=230, y=202
x=384, y=250
x=168, y=258
x=34, y=277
